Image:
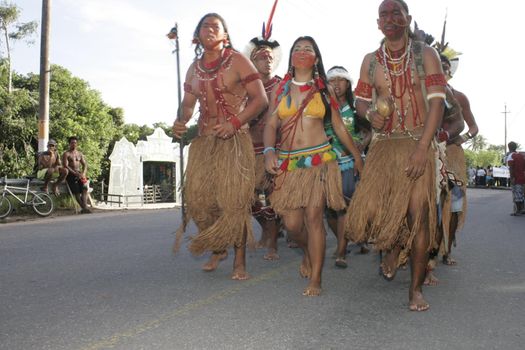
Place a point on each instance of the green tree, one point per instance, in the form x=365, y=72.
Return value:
x=76, y=109
x=483, y=158
x=12, y=31
x=18, y=125
x=477, y=143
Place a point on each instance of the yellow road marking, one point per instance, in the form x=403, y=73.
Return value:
x=117, y=338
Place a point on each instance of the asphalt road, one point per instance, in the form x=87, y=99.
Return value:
x=109, y=280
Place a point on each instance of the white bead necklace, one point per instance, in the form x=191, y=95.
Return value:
x=301, y=83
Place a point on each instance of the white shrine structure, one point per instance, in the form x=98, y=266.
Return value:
x=145, y=173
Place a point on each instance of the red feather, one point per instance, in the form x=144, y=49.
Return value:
x=268, y=27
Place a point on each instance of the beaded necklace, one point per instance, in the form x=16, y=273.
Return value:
x=208, y=77
x=400, y=81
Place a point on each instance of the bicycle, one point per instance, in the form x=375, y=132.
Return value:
x=41, y=202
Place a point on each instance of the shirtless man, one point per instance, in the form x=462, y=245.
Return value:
x=49, y=167
x=220, y=175
x=75, y=162
x=395, y=202
x=457, y=163
x=265, y=55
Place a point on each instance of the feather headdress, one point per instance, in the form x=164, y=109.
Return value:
x=263, y=42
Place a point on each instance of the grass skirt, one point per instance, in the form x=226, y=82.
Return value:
x=378, y=211
x=263, y=181
x=219, y=188
x=454, y=162
x=305, y=187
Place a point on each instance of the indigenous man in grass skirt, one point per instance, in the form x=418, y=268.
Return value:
x=401, y=91
x=265, y=54
x=454, y=199
x=456, y=163
x=220, y=176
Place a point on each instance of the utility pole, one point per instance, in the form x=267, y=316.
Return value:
x=505, y=144
x=43, y=110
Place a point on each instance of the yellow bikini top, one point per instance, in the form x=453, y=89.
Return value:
x=314, y=109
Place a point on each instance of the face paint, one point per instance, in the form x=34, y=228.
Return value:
x=263, y=61
x=393, y=19
x=211, y=33
x=303, y=59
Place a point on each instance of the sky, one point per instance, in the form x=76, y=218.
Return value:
x=120, y=47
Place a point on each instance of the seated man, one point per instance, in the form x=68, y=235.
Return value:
x=49, y=167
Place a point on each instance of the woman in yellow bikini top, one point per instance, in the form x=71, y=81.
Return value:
x=314, y=109
x=307, y=177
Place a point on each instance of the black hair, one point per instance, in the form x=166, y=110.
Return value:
x=349, y=95
x=319, y=65
x=71, y=138
x=512, y=146
x=360, y=123
x=444, y=58
x=320, y=70
x=198, y=46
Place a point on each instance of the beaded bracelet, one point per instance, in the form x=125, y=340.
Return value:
x=467, y=136
x=268, y=149
x=235, y=122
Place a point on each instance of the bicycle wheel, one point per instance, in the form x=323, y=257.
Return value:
x=42, y=204
x=5, y=207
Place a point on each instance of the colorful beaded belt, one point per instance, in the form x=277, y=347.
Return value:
x=306, y=157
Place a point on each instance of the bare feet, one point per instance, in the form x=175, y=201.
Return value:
x=341, y=263
x=447, y=260
x=240, y=274
x=213, y=263
x=313, y=290
x=430, y=279
x=271, y=255
x=305, y=270
x=417, y=303
x=388, y=266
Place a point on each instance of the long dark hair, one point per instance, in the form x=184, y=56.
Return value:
x=319, y=65
x=198, y=46
x=349, y=95
x=359, y=123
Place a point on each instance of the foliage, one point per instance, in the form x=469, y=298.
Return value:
x=17, y=129
x=12, y=30
x=497, y=148
x=483, y=158
x=75, y=109
x=477, y=143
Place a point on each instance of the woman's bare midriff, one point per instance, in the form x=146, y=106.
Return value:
x=309, y=133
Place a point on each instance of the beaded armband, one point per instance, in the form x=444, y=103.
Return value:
x=441, y=95
x=435, y=80
x=249, y=78
x=363, y=91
